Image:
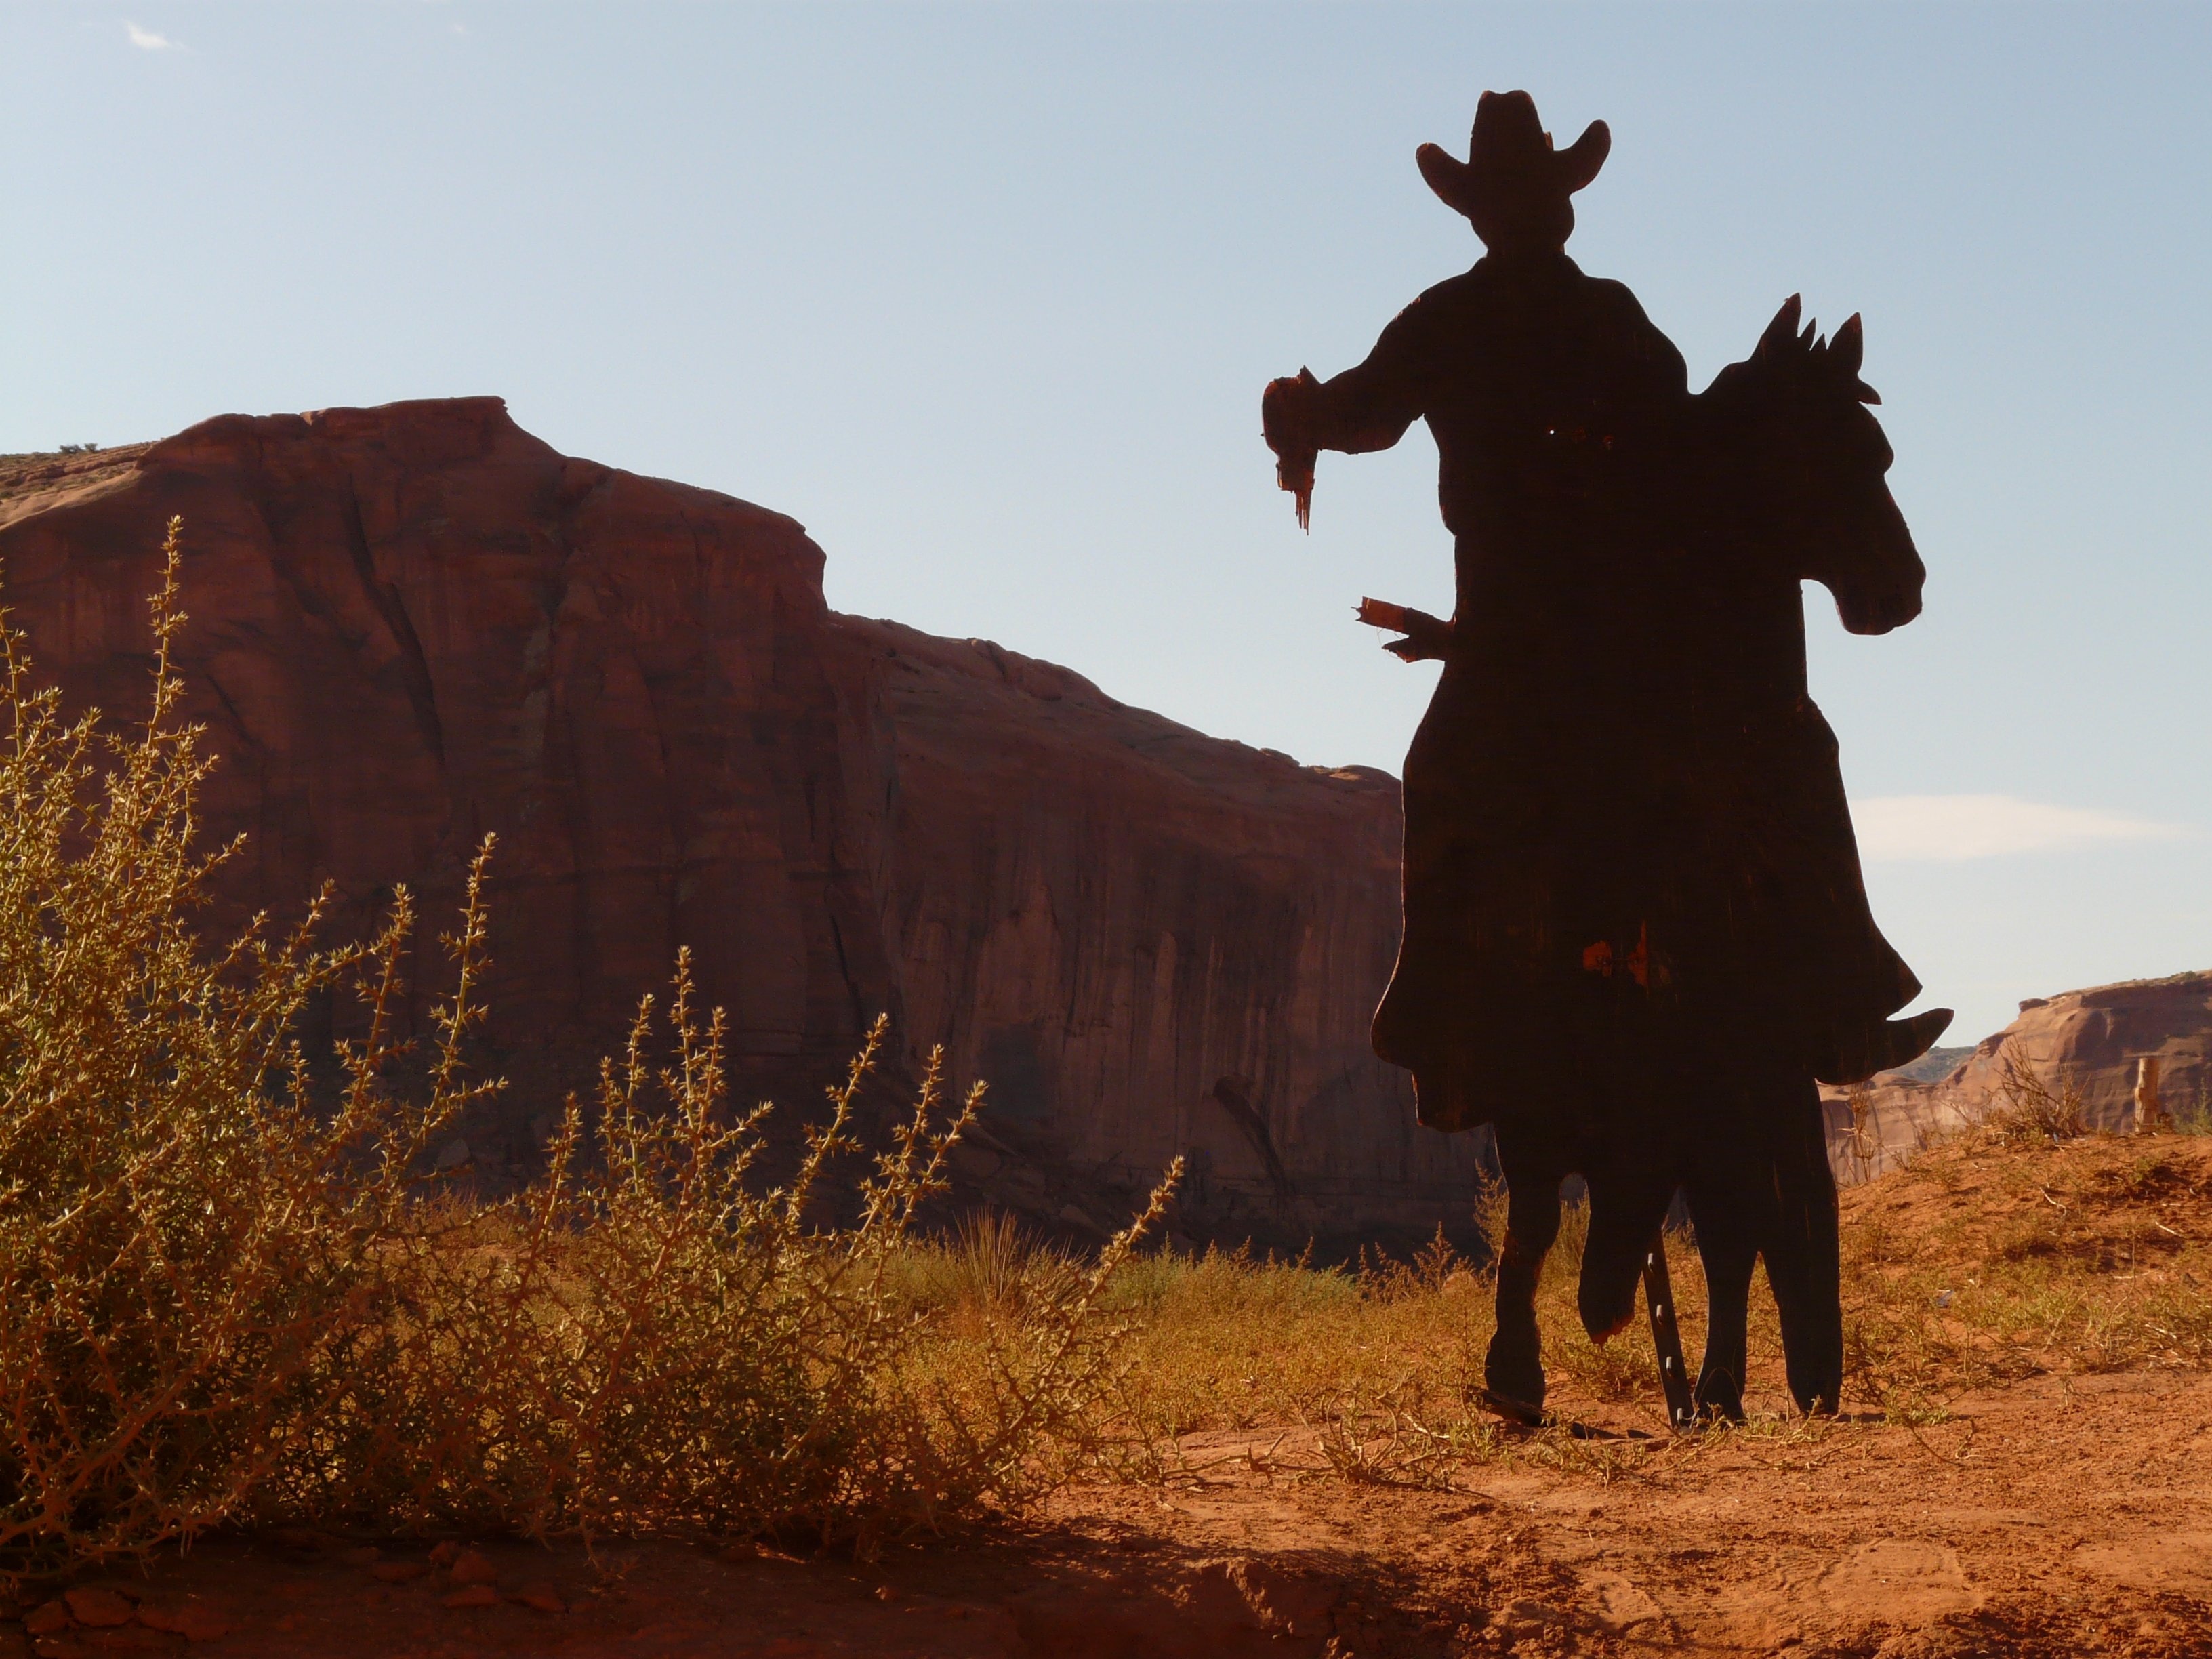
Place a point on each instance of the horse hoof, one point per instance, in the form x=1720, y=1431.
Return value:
x=1720, y=1408
x=1514, y=1376
x=1515, y=1411
x=1817, y=1401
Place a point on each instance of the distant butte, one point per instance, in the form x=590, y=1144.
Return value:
x=413, y=625
x=2091, y=1042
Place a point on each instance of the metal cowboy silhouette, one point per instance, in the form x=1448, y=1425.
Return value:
x=1636, y=932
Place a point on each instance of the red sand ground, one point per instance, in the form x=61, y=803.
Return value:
x=2069, y=1513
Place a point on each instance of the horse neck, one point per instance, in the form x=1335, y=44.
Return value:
x=1752, y=455
x=1749, y=561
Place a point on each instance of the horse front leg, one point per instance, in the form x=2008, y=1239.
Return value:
x=1803, y=1253
x=1534, y=1169
x=1731, y=1185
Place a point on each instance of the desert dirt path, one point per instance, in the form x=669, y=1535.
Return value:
x=2063, y=1516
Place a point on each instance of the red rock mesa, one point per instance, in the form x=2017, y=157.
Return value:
x=414, y=625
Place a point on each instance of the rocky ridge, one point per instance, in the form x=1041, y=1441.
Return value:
x=2089, y=1041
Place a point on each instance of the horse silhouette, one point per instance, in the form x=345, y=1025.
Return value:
x=1709, y=1087
x=1636, y=932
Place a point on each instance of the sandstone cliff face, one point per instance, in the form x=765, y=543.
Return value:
x=1150, y=941
x=413, y=625
x=416, y=624
x=2092, y=1038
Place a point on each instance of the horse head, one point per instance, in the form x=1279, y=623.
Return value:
x=1810, y=462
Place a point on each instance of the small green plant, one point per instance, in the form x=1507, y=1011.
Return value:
x=2194, y=1117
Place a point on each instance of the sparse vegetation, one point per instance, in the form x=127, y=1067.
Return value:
x=224, y=1297
x=1383, y=1359
x=1988, y=1259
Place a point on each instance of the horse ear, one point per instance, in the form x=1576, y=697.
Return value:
x=1846, y=352
x=1783, y=330
x=1848, y=349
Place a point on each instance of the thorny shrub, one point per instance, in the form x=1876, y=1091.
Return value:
x=224, y=1297
x=181, y=1236
x=2032, y=1109
x=642, y=1340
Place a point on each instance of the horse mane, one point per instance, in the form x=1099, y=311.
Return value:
x=1803, y=360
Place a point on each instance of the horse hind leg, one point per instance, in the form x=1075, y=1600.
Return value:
x=1514, y=1367
x=1726, y=1214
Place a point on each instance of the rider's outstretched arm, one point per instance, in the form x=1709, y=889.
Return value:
x=1364, y=409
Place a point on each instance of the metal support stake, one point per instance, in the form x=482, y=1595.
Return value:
x=1667, y=1337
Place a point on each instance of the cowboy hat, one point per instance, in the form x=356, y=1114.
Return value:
x=1512, y=179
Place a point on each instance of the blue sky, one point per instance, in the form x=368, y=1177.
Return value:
x=985, y=296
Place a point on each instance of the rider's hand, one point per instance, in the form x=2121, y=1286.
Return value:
x=1286, y=412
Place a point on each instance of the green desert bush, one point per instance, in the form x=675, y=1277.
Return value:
x=227, y=1296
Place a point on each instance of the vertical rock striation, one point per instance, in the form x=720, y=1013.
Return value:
x=1150, y=941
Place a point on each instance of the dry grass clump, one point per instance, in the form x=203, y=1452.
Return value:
x=222, y=1298
x=990, y=1266
x=1990, y=1258
x=2032, y=1109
